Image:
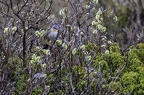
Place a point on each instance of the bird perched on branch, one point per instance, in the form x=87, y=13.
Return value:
x=53, y=32
x=50, y=36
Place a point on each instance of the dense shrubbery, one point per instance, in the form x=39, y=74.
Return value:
x=98, y=51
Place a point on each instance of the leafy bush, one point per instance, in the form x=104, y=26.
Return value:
x=89, y=57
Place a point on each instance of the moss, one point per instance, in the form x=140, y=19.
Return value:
x=129, y=81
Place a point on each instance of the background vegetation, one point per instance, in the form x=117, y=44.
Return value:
x=99, y=50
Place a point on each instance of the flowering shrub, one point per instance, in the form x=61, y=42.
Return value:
x=98, y=51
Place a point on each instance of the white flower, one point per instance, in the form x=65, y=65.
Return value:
x=14, y=28
x=87, y=6
x=103, y=45
x=96, y=1
x=59, y=42
x=115, y=18
x=43, y=65
x=103, y=29
x=109, y=42
x=97, y=16
x=82, y=47
x=26, y=28
x=106, y=52
x=74, y=51
x=64, y=46
x=95, y=31
x=88, y=58
x=47, y=52
x=95, y=23
x=6, y=30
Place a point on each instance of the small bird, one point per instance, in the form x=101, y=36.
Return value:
x=53, y=32
x=50, y=36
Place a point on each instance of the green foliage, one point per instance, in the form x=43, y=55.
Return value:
x=112, y=62
x=92, y=47
x=102, y=63
x=131, y=79
x=135, y=58
x=116, y=60
x=140, y=52
x=133, y=82
x=21, y=83
x=115, y=87
x=78, y=70
x=81, y=85
x=37, y=91
x=123, y=15
x=115, y=48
